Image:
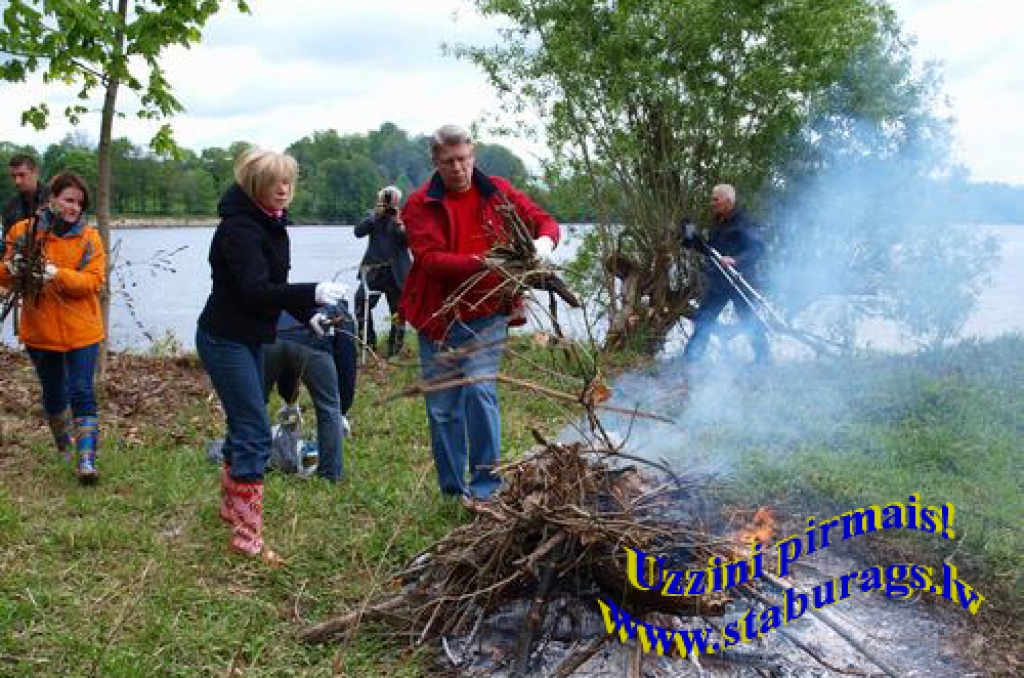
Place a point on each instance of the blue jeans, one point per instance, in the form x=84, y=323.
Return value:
x=236, y=370
x=285, y=363
x=67, y=378
x=465, y=420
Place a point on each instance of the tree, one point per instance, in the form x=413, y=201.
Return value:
x=652, y=102
x=100, y=44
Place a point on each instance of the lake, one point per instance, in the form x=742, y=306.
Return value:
x=161, y=279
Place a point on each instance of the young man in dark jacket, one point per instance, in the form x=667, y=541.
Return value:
x=452, y=222
x=31, y=195
x=736, y=238
x=384, y=267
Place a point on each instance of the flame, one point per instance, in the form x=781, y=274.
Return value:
x=760, y=529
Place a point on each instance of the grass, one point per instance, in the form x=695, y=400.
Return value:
x=948, y=424
x=132, y=577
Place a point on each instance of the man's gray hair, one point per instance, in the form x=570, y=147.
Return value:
x=727, y=190
x=449, y=135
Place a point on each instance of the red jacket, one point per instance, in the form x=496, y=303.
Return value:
x=438, y=270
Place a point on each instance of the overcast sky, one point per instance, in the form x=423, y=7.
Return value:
x=296, y=66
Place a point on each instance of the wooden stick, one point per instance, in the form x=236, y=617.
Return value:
x=318, y=633
x=536, y=614
x=569, y=666
x=423, y=388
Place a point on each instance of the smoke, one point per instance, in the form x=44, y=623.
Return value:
x=866, y=246
x=862, y=253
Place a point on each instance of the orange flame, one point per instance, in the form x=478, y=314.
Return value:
x=760, y=530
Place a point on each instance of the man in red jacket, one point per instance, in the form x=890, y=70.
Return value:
x=451, y=223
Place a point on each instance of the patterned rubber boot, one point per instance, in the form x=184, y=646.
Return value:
x=86, y=442
x=226, y=511
x=60, y=427
x=247, y=529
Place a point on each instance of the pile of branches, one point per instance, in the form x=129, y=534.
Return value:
x=558, y=528
x=559, y=524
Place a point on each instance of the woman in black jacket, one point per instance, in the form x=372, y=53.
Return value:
x=249, y=259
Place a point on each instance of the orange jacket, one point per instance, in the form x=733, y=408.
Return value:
x=66, y=315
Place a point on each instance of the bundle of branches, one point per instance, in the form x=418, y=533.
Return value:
x=513, y=257
x=27, y=265
x=559, y=523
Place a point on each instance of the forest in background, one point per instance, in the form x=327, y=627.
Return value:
x=340, y=174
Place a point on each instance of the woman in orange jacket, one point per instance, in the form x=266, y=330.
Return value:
x=61, y=326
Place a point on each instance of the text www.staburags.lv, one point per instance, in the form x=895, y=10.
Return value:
x=708, y=640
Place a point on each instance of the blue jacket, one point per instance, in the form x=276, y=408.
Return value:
x=736, y=236
x=341, y=346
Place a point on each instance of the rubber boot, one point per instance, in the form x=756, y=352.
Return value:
x=226, y=511
x=86, y=443
x=246, y=502
x=60, y=427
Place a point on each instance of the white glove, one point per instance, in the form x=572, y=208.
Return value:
x=330, y=293
x=346, y=428
x=318, y=323
x=544, y=246
x=49, y=272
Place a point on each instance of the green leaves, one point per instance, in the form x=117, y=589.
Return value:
x=90, y=42
x=655, y=101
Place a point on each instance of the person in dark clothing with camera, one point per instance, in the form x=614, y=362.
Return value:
x=735, y=237
x=384, y=267
x=325, y=362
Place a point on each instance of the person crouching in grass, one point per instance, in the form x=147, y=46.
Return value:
x=62, y=326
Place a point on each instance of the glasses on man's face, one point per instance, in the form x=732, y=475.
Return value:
x=456, y=160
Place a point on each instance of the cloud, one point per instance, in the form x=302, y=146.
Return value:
x=293, y=67
x=977, y=42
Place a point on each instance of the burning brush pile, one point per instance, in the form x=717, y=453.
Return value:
x=558, y=529
x=535, y=560
x=531, y=570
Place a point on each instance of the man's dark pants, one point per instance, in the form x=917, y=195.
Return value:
x=389, y=288
x=706, y=316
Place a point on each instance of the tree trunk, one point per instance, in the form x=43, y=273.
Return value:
x=648, y=306
x=103, y=180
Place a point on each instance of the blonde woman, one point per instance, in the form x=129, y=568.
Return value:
x=249, y=262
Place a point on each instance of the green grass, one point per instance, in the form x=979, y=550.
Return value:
x=947, y=424
x=132, y=577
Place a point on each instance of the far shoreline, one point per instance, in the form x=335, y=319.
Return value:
x=139, y=223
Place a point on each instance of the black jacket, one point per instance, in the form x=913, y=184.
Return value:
x=249, y=261
x=18, y=208
x=387, y=254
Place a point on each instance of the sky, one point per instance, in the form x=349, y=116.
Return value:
x=294, y=67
